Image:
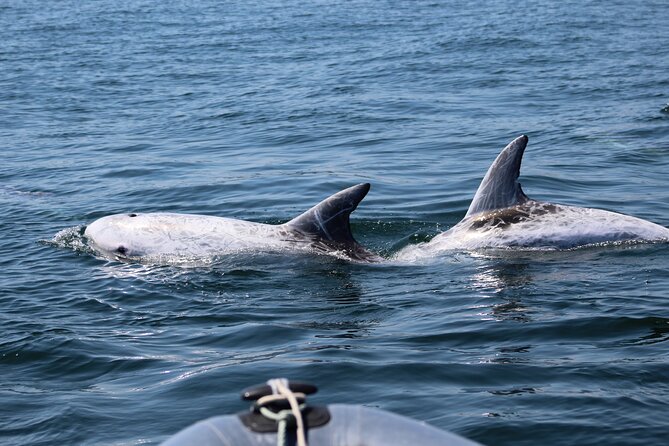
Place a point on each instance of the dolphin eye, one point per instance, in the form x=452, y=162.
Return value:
x=122, y=250
x=132, y=215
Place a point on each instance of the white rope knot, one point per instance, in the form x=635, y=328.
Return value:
x=285, y=418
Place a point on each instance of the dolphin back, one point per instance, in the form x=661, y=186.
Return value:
x=328, y=221
x=500, y=187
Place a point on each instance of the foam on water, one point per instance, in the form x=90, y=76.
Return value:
x=71, y=238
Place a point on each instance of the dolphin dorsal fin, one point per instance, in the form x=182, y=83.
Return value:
x=329, y=219
x=500, y=187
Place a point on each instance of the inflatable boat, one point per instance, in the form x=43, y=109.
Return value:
x=280, y=416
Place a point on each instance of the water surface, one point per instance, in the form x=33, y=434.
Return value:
x=258, y=111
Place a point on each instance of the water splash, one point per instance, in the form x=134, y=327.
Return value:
x=71, y=238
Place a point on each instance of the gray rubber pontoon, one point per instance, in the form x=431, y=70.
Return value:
x=333, y=425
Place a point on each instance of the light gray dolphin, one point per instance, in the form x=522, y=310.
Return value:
x=502, y=216
x=167, y=237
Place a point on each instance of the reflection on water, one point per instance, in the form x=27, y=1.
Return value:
x=512, y=310
x=503, y=280
x=499, y=275
x=511, y=355
x=331, y=281
x=346, y=316
x=514, y=391
x=657, y=329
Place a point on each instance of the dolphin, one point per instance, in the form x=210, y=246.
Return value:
x=502, y=216
x=163, y=237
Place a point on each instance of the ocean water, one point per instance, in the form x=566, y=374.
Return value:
x=258, y=110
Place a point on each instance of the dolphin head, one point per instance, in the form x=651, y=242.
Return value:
x=114, y=235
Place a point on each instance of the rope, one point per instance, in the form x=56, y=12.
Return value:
x=269, y=399
x=281, y=392
x=284, y=419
